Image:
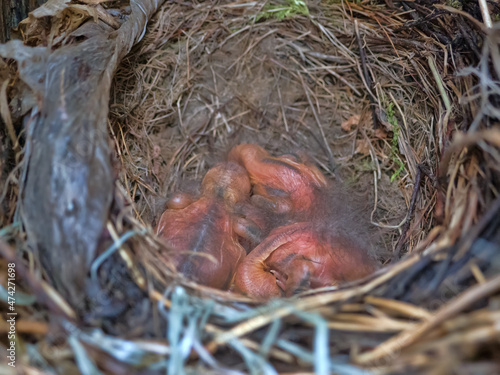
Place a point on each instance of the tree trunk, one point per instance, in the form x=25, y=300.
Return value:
x=12, y=12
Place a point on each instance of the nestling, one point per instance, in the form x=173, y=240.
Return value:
x=203, y=232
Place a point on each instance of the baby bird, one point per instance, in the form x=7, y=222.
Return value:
x=317, y=239
x=203, y=234
x=285, y=184
x=298, y=257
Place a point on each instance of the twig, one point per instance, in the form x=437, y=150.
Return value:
x=314, y=302
x=282, y=108
x=439, y=82
x=422, y=22
x=406, y=226
x=406, y=338
x=475, y=22
x=485, y=13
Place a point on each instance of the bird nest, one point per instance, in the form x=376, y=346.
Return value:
x=398, y=102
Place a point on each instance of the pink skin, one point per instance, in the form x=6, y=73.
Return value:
x=179, y=201
x=293, y=258
x=206, y=233
x=202, y=233
x=303, y=254
x=253, y=224
x=283, y=184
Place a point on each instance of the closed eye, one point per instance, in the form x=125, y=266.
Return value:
x=275, y=192
x=282, y=163
x=294, y=157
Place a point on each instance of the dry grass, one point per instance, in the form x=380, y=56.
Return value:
x=223, y=79
x=208, y=76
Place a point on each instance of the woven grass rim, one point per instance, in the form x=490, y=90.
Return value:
x=357, y=308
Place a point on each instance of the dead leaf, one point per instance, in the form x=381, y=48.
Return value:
x=381, y=133
x=362, y=147
x=350, y=123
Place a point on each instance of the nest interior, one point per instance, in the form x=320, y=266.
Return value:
x=396, y=101
x=204, y=80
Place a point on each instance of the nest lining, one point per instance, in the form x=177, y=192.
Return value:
x=268, y=83
x=208, y=76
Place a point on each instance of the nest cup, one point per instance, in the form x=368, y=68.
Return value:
x=397, y=103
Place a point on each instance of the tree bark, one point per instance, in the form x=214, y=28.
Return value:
x=12, y=12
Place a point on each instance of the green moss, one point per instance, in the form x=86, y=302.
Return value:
x=280, y=12
x=394, y=144
x=352, y=180
x=367, y=165
x=457, y=4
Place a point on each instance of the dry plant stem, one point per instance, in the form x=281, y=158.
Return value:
x=462, y=140
x=474, y=21
x=126, y=256
x=473, y=336
x=399, y=307
x=213, y=329
x=478, y=275
x=358, y=322
x=440, y=84
x=407, y=338
x=404, y=142
x=367, y=79
x=310, y=303
x=6, y=117
x=485, y=13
